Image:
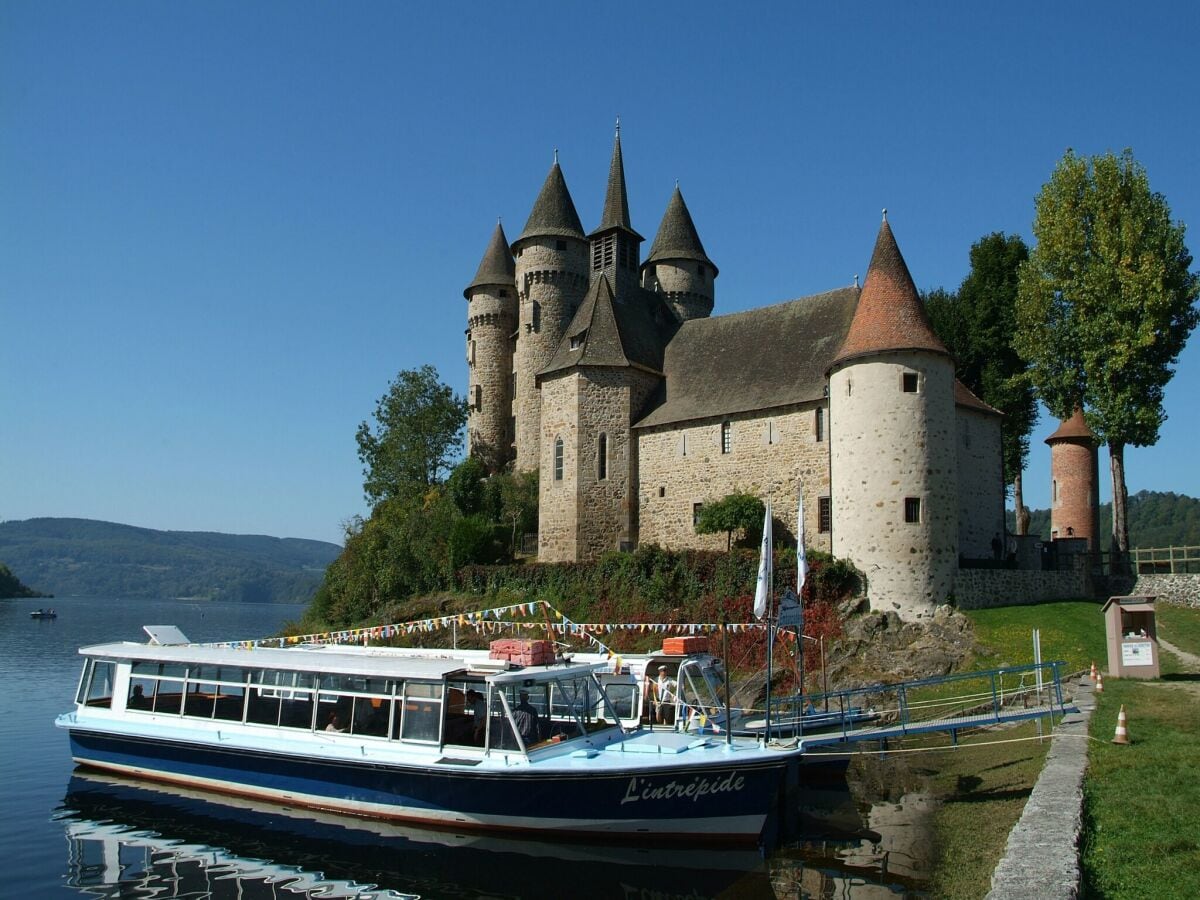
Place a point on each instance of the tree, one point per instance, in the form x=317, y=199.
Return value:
x=977, y=326
x=418, y=431
x=733, y=512
x=1106, y=304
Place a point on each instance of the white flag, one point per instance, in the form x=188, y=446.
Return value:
x=765, y=564
x=801, y=559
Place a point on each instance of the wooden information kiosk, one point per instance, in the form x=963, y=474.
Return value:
x=1132, y=637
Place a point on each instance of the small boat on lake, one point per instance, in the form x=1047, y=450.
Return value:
x=43, y=614
x=441, y=738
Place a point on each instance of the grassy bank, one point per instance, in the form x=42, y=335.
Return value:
x=1072, y=631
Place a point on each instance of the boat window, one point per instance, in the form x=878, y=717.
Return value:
x=355, y=704
x=501, y=734
x=156, y=687
x=230, y=703
x=466, y=713
x=622, y=697
x=200, y=699
x=280, y=697
x=96, y=688
x=422, y=712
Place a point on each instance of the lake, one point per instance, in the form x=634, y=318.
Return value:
x=67, y=834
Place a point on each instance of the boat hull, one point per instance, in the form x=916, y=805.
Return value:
x=727, y=802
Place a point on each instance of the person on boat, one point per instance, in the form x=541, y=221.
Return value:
x=335, y=723
x=478, y=715
x=526, y=717
x=664, y=697
x=137, y=700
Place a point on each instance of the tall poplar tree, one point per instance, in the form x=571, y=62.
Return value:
x=1105, y=305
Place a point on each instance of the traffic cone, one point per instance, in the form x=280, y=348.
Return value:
x=1093, y=671
x=1099, y=683
x=1122, y=736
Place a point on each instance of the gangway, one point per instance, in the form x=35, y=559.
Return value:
x=949, y=703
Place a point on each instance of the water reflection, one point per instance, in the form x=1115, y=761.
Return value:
x=130, y=839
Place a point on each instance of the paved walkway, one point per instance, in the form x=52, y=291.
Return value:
x=1042, y=856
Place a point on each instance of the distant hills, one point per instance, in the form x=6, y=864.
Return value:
x=83, y=557
x=1156, y=519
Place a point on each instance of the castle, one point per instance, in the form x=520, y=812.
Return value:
x=610, y=376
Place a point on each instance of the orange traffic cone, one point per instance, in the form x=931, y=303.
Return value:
x=1099, y=683
x=1093, y=671
x=1122, y=735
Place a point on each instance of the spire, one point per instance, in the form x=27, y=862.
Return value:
x=497, y=265
x=677, y=237
x=890, y=315
x=1073, y=429
x=616, y=200
x=553, y=212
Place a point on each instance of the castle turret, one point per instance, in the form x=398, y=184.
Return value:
x=678, y=267
x=1074, y=481
x=551, y=278
x=491, y=320
x=615, y=246
x=892, y=444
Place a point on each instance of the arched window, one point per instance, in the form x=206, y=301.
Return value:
x=602, y=457
x=558, y=459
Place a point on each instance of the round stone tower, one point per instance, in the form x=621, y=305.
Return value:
x=551, y=279
x=491, y=321
x=677, y=267
x=1074, y=481
x=892, y=444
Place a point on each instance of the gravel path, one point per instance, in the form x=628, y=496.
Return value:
x=1189, y=659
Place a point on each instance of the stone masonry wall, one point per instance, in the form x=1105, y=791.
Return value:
x=558, y=500
x=980, y=483
x=551, y=284
x=682, y=465
x=491, y=320
x=890, y=446
x=988, y=588
x=1182, y=589
x=689, y=291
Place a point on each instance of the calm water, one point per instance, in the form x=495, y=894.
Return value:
x=66, y=834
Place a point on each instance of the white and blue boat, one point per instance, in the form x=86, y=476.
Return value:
x=447, y=738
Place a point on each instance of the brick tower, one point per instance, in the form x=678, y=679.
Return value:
x=551, y=278
x=1074, y=481
x=491, y=321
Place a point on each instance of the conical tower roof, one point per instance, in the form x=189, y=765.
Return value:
x=553, y=212
x=677, y=237
x=1073, y=429
x=497, y=265
x=890, y=315
x=616, y=199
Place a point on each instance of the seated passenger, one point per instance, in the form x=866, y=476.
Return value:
x=137, y=700
x=526, y=717
x=335, y=723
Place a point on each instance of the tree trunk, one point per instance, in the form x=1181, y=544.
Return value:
x=1022, y=513
x=1120, y=521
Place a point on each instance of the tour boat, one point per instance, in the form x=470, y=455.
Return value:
x=443, y=738
x=43, y=614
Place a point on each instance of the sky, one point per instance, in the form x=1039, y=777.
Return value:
x=226, y=226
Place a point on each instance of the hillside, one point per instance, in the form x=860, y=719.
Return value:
x=11, y=586
x=1156, y=519
x=82, y=557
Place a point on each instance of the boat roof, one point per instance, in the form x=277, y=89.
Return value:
x=387, y=662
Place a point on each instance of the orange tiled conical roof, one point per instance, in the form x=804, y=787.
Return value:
x=1074, y=428
x=890, y=315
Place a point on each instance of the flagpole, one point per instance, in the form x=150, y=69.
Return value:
x=770, y=621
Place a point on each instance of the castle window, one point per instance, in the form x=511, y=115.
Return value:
x=849, y=387
x=726, y=438
x=1054, y=490
x=503, y=292
x=662, y=492
x=536, y=318
x=558, y=459
x=560, y=245
x=824, y=514
x=908, y=382
x=912, y=510
x=602, y=456
x=819, y=424
x=696, y=507
x=478, y=398
x=472, y=356
x=772, y=436
x=578, y=339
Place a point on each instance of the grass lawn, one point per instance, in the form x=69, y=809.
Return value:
x=1180, y=625
x=1072, y=631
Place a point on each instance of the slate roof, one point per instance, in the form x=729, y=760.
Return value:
x=553, y=211
x=611, y=333
x=677, y=237
x=1074, y=428
x=964, y=396
x=497, y=265
x=890, y=315
x=763, y=358
x=616, y=199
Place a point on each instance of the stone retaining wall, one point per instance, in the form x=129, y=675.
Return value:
x=987, y=588
x=1181, y=589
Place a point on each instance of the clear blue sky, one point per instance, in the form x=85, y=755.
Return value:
x=225, y=226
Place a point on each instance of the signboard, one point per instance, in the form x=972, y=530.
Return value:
x=1137, y=653
x=790, y=612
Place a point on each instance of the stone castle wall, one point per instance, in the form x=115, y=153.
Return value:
x=980, y=483
x=551, y=283
x=682, y=465
x=687, y=284
x=491, y=320
x=988, y=588
x=889, y=446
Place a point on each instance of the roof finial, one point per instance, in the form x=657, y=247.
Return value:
x=676, y=184
x=556, y=156
x=498, y=219
x=856, y=279
x=885, y=214
x=618, y=124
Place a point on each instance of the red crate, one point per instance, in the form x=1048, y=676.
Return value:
x=682, y=646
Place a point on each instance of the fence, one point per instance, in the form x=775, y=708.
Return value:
x=1166, y=560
